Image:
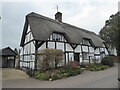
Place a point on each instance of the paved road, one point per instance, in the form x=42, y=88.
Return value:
x=100, y=79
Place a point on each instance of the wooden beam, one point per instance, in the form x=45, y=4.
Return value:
x=82, y=53
x=89, y=53
x=14, y=61
x=36, y=54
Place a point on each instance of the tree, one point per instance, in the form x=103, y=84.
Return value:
x=17, y=58
x=49, y=58
x=109, y=32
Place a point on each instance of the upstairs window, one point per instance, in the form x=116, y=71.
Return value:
x=57, y=37
x=86, y=42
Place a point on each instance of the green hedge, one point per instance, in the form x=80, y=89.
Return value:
x=93, y=67
x=108, y=61
x=41, y=76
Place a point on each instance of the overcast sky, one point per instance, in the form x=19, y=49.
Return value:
x=87, y=14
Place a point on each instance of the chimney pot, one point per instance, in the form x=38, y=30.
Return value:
x=58, y=16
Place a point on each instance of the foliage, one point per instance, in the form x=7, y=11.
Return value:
x=41, y=76
x=109, y=32
x=58, y=73
x=94, y=67
x=108, y=61
x=49, y=58
x=74, y=64
x=84, y=65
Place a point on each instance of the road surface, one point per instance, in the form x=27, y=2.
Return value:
x=88, y=79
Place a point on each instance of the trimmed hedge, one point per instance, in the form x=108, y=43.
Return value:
x=108, y=61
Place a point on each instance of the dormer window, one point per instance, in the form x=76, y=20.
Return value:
x=86, y=42
x=57, y=37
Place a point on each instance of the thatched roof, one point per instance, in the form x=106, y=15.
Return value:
x=42, y=27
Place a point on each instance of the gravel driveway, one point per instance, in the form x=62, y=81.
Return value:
x=11, y=74
x=100, y=79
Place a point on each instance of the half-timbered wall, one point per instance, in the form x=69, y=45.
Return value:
x=28, y=51
x=85, y=50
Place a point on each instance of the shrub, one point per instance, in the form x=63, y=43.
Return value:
x=94, y=67
x=74, y=71
x=74, y=64
x=49, y=58
x=54, y=74
x=84, y=64
x=69, y=71
x=108, y=61
x=41, y=76
x=63, y=71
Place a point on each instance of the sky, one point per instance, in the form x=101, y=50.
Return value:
x=88, y=14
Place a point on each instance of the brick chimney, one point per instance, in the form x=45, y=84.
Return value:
x=58, y=16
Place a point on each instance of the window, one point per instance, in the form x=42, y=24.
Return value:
x=85, y=55
x=85, y=42
x=57, y=37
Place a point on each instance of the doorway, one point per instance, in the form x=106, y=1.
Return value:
x=76, y=57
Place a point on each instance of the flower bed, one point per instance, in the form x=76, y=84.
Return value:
x=71, y=69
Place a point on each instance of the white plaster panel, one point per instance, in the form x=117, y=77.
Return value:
x=106, y=52
x=71, y=57
x=68, y=47
x=28, y=29
x=32, y=48
x=97, y=51
x=51, y=45
x=32, y=65
x=60, y=45
x=85, y=48
x=66, y=57
x=91, y=49
x=43, y=46
x=78, y=48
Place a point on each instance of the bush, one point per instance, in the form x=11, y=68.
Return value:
x=84, y=64
x=74, y=71
x=94, y=67
x=74, y=64
x=49, y=58
x=68, y=71
x=108, y=61
x=54, y=74
x=41, y=76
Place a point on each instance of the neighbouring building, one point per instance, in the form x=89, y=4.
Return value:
x=41, y=32
x=7, y=58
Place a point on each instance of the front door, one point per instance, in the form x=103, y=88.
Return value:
x=76, y=57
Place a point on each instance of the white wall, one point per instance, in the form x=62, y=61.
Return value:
x=51, y=45
x=106, y=52
x=68, y=47
x=71, y=57
x=43, y=46
x=91, y=49
x=60, y=45
x=85, y=48
x=97, y=51
x=28, y=49
x=78, y=48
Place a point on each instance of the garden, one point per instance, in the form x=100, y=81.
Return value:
x=50, y=65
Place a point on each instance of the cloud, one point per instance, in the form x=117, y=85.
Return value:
x=87, y=14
